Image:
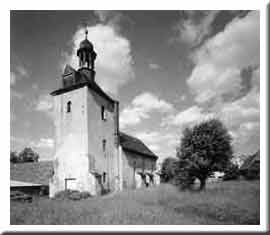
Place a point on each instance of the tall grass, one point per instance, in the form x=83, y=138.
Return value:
x=221, y=203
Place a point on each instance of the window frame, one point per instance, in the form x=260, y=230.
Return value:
x=103, y=113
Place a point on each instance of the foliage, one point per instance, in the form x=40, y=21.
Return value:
x=26, y=155
x=231, y=172
x=253, y=172
x=204, y=148
x=169, y=169
x=13, y=157
x=71, y=195
x=234, y=202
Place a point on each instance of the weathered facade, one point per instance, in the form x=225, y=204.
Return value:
x=89, y=155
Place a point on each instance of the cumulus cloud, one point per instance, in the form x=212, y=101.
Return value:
x=223, y=65
x=141, y=107
x=18, y=73
x=225, y=81
x=161, y=143
x=195, y=26
x=43, y=143
x=12, y=78
x=154, y=66
x=114, y=63
x=112, y=18
x=187, y=117
x=44, y=104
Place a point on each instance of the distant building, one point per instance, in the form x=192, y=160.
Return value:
x=31, y=177
x=91, y=154
x=251, y=166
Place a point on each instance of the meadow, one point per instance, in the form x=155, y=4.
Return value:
x=231, y=202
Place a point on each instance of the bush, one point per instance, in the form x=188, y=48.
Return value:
x=71, y=195
x=231, y=172
x=252, y=174
x=168, y=169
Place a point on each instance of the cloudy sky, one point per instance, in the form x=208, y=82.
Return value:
x=168, y=69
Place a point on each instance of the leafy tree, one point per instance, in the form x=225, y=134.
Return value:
x=14, y=157
x=169, y=169
x=28, y=155
x=204, y=148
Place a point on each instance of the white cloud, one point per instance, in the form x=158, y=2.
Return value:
x=154, y=66
x=225, y=82
x=22, y=71
x=43, y=143
x=15, y=94
x=196, y=26
x=18, y=73
x=44, y=104
x=243, y=110
x=12, y=78
x=114, y=63
x=163, y=144
x=183, y=97
x=141, y=107
x=221, y=59
x=187, y=117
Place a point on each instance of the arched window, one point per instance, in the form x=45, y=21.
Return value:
x=68, y=106
x=103, y=114
x=104, y=145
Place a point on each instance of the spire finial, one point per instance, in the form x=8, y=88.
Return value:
x=86, y=32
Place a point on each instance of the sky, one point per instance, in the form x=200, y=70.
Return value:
x=169, y=70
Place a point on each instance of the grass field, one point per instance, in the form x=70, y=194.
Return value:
x=234, y=202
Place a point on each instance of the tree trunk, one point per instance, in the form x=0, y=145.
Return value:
x=202, y=184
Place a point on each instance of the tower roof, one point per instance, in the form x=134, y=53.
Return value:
x=86, y=44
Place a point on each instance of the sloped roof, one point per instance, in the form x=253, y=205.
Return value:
x=33, y=172
x=83, y=82
x=250, y=160
x=15, y=183
x=132, y=144
x=68, y=70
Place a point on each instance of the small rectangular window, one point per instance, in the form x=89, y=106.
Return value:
x=103, y=113
x=104, y=177
x=68, y=106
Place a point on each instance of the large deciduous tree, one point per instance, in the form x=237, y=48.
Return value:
x=204, y=148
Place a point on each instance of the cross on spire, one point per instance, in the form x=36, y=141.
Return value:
x=86, y=32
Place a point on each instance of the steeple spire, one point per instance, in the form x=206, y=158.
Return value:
x=86, y=53
x=86, y=33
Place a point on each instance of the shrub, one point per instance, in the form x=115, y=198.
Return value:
x=252, y=174
x=168, y=169
x=231, y=172
x=71, y=195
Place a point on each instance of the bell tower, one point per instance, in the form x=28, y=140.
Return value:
x=86, y=130
x=87, y=57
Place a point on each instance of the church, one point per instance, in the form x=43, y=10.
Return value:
x=91, y=153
